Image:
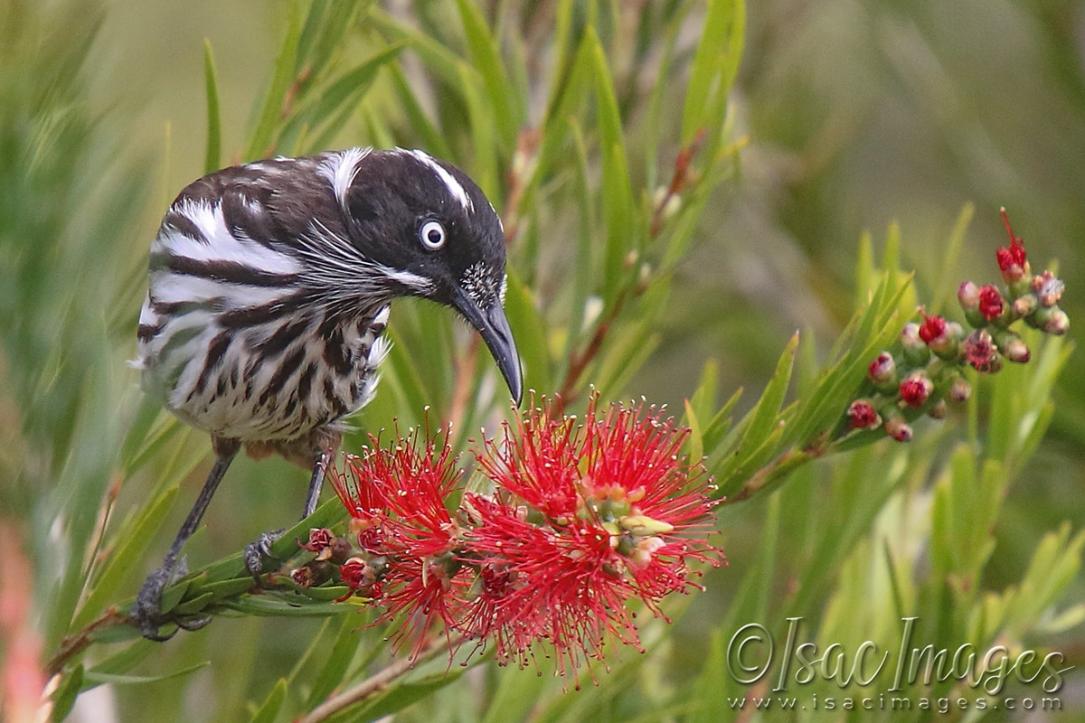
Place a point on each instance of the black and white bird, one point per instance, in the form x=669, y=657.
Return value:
x=269, y=289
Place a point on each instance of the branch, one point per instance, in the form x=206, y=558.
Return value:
x=77, y=642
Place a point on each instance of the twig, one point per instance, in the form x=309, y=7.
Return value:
x=78, y=642
x=580, y=361
x=523, y=162
x=375, y=683
x=680, y=179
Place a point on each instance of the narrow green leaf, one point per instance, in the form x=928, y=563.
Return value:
x=714, y=62
x=66, y=692
x=212, y=156
x=432, y=139
x=617, y=195
x=486, y=57
x=404, y=694
x=282, y=76
x=126, y=557
x=343, y=648
x=114, y=679
x=531, y=333
x=696, y=439
x=266, y=605
x=269, y=711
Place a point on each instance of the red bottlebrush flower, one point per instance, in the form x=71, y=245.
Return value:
x=915, y=390
x=932, y=328
x=640, y=515
x=991, y=304
x=883, y=369
x=537, y=462
x=397, y=496
x=1012, y=259
x=863, y=415
x=980, y=351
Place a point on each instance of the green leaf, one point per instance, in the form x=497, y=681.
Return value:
x=482, y=119
x=762, y=425
x=715, y=63
x=617, y=195
x=269, y=711
x=213, y=153
x=65, y=694
x=133, y=545
x=404, y=694
x=283, y=75
x=432, y=138
x=114, y=679
x=531, y=333
x=344, y=93
x=345, y=644
x=486, y=56
x=268, y=606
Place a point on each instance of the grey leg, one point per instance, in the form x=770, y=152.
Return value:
x=147, y=613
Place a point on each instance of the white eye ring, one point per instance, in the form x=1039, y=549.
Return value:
x=432, y=235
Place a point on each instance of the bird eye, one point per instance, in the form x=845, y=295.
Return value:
x=432, y=234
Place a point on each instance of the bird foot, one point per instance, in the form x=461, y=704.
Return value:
x=258, y=553
x=147, y=612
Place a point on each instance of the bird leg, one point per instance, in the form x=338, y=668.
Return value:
x=147, y=612
x=258, y=553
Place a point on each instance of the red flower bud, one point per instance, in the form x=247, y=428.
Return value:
x=990, y=302
x=980, y=351
x=968, y=294
x=916, y=389
x=916, y=353
x=353, y=573
x=1012, y=259
x=938, y=410
x=1057, y=323
x=883, y=368
x=934, y=327
x=863, y=415
x=1015, y=350
x=319, y=538
x=959, y=390
x=898, y=429
x=302, y=576
x=1048, y=288
x=1024, y=305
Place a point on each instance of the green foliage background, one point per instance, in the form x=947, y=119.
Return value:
x=841, y=117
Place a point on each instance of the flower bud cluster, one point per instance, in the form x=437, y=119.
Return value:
x=924, y=370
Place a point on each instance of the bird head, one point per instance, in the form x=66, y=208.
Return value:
x=432, y=233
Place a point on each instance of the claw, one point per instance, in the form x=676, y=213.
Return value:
x=147, y=612
x=258, y=553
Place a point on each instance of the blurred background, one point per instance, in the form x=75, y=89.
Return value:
x=856, y=114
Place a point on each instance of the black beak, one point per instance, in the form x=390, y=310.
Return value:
x=495, y=331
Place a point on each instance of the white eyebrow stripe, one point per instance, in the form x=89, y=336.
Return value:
x=450, y=182
x=340, y=168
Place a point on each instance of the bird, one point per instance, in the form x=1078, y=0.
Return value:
x=269, y=289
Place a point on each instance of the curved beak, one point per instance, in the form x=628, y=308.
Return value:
x=493, y=326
